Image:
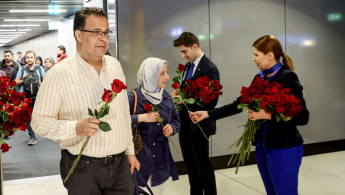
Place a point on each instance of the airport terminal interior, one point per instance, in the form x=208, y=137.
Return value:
x=311, y=33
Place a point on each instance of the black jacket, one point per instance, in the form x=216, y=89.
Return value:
x=277, y=134
x=205, y=67
x=15, y=67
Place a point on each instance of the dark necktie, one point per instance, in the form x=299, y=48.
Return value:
x=190, y=71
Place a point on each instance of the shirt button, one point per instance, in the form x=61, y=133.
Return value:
x=154, y=144
x=153, y=156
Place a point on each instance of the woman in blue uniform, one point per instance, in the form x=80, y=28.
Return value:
x=279, y=145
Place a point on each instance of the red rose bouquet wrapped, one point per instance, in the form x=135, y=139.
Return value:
x=263, y=95
x=201, y=91
x=107, y=97
x=15, y=111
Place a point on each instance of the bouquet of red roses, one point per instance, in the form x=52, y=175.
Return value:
x=15, y=111
x=263, y=95
x=108, y=96
x=201, y=91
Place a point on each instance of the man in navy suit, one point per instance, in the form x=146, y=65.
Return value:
x=194, y=146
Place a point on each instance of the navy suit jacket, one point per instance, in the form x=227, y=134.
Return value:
x=205, y=67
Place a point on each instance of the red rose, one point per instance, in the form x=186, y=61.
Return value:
x=5, y=147
x=265, y=99
x=263, y=105
x=12, y=92
x=28, y=100
x=13, y=83
x=22, y=127
x=280, y=108
x=181, y=67
x=292, y=98
x=148, y=107
x=107, y=96
x=22, y=95
x=17, y=102
x=8, y=126
x=286, y=90
x=256, y=95
x=190, y=82
x=25, y=106
x=273, y=99
x=175, y=85
x=117, y=86
x=9, y=108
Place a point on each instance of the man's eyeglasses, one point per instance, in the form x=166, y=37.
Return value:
x=98, y=32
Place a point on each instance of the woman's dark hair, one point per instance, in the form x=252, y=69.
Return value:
x=187, y=39
x=40, y=59
x=270, y=43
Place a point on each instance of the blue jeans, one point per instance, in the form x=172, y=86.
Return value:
x=279, y=169
x=29, y=128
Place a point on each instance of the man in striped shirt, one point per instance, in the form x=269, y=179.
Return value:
x=61, y=112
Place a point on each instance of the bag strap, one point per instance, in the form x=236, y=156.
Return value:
x=137, y=176
x=135, y=101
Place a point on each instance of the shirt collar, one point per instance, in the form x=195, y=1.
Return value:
x=196, y=62
x=86, y=65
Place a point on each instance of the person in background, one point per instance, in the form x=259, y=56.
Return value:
x=60, y=53
x=9, y=66
x=61, y=113
x=48, y=63
x=30, y=78
x=39, y=61
x=156, y=162
x=279, y=145
x=20, y=60
x=194, y=146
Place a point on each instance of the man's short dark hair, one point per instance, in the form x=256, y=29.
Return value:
x=187, y=39
x=8, y=51
x=19, y=52
x=61, y=47
x=81, y=15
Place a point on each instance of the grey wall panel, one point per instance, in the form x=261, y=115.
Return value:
x=235, y=25
x=148, y=28
x=316, y=42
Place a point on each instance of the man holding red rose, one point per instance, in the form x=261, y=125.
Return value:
x=61, y=112
x=194, y=146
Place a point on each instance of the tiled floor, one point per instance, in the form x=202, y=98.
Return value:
x=319, y=175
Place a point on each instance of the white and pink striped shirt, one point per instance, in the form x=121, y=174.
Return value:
x=68, y=90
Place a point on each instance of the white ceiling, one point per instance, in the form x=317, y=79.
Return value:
x=71, y=6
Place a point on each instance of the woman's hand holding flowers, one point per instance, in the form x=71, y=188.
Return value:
x=262, y=114
x=167, y=130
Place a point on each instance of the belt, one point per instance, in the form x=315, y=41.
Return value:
x=105, y=160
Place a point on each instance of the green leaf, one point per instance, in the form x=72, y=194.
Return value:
x=277, y=117
x=189, y=101
x=155, y=108
x=160, y=120
x=200, y=104
x=240, y=106
x=176, y=99
x=176, y=79
x=5, y=118
x=104, y=112
x=104, y=126
x=90, y=112
x=96, y=113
